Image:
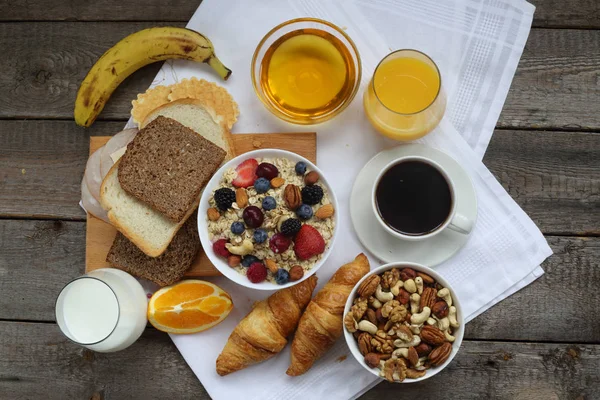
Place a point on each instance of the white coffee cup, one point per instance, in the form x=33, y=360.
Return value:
x=454, y=221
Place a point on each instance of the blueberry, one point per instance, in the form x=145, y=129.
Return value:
x=269, y=203
x=249, y=260
x=282, y=276
x=262, y=185
x=237, y=228
x=304, y=211
x=300, y=167
x=260, y=236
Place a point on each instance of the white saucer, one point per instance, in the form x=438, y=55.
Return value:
x=388, y=248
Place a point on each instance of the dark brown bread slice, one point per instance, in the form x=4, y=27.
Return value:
x=167, y=165
x=165, y=269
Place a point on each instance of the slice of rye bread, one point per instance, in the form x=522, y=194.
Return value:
x=167, y=165
x=165, y=269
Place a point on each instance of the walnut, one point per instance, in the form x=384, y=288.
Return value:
x=381, y=345
x=387, y=308
x=394, y=370
x=364, y=343
x=359, y=309
x=394, y=311
x=350, y=323
x=404, y=333
x=390, y=278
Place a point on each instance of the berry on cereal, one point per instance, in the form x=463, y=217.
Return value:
x=249, y=260
x=224, y=197
x=290, y=227
x=267, y=170
x=300, y=167
x=304, y=211
x=246, y=173
x=309, y=243
x=269, y=203
x=237, y=228
x=312, y=194
x=260, y=236
x=253, y=216
x=282, y=276
x=256, y=272
x=220, y=249
x=279, y=243
x=262, y=185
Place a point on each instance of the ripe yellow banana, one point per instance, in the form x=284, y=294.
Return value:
x=132, y=53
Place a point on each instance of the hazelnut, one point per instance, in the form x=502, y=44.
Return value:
x=423, y=349
x=296, y=273
x=440, y=309
x=407, y=273
x=403, y=297
x=234, y=260
x=311, y=178
x=372, y=360
x=379, y=316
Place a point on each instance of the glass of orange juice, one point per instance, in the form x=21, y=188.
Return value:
x=405, y=99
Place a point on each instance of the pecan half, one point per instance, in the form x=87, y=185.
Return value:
x=428, y=298
x=389, y=278
x=364, y=343
x=403, y=297
x=372, y=360
x=292, y=196
x=368, y=287
x=432, y=335
x=407, y=273
x=440, y=354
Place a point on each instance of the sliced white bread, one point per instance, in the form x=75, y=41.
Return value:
x=203, y=120
x=148, y=229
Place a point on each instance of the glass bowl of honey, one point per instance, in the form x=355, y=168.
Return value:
x=306, y=70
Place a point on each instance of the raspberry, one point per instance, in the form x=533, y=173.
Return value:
x=257, y=272
x=220, y=249
x=279, y=243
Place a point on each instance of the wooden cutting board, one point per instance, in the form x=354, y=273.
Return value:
x=100, y=235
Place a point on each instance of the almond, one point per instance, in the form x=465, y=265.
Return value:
x=324, y=212
x=213, y=214
x=241, y=197
x=277, y=182
x=311, y=178
x=292, y=196
x=426, y=278
x=271, y=265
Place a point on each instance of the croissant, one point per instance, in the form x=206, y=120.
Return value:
x=321, y=324
x=264, y=331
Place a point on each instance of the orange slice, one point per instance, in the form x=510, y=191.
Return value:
x=189, y=306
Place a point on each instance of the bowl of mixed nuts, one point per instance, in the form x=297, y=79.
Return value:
x=403, y=322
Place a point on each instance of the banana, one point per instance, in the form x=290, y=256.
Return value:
x=132, y=53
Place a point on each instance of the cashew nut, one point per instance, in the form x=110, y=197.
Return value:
x=243, y=249
x=382, y=296
x=452, y=317
x=375, y=303
x=401, y=352
x=367, y=326
x=420, y=364
x=415, y=329
x=449, y=337
x=415, y=300
x=445, y=294
x=410, y=286
x=416, y=340
x=431, y=321
x=419, y=284
x=443, y=323
x=396, y=288
x=421, y=317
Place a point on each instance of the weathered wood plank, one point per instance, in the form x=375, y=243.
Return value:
x=557, y=83
x=39, y=257
x=557, y=13
x=31, y=355
x=549, y=174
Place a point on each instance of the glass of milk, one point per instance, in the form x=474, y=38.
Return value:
x=104, y=310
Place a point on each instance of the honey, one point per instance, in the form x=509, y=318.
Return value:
x=307, y=73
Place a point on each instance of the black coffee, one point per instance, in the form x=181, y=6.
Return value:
x=413, y=198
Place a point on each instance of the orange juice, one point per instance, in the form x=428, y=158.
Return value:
x=404, y=100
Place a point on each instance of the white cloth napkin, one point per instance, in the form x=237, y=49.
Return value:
x=477, y=45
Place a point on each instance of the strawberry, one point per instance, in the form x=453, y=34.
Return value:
x=246, y=173
x=309, y=243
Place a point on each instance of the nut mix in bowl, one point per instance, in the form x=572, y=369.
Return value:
x=270, y=217
x=403, y=322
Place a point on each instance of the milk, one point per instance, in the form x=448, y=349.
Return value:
x=104, y=310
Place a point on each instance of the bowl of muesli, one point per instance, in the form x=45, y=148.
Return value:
x=268, y=219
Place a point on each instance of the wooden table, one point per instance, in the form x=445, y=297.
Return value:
x=541, y=343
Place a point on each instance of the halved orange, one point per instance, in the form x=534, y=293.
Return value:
x=189, y=306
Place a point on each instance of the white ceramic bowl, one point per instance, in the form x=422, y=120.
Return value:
x=458, y=333
x=219, y=262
